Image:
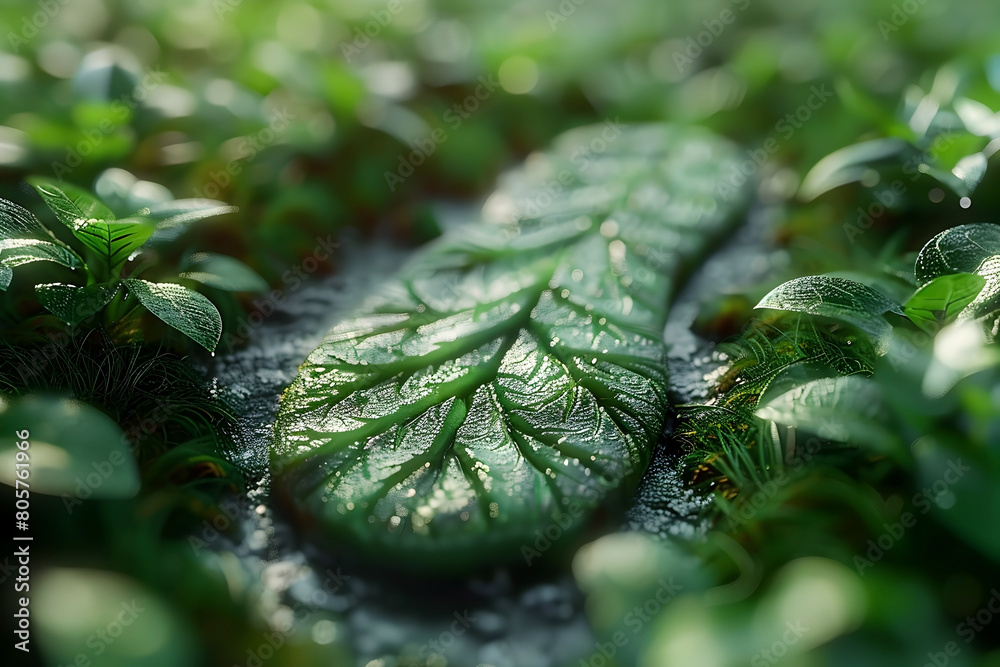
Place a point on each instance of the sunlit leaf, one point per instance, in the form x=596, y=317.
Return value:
x=183, y=309
x=514, y=375
x=841, y=299
x=967, y=249
x=941, y=300
x=15, y=252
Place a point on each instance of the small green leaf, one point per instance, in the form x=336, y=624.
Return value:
x=114, y=241
x=838, y=298
x=941, y=300
x=69, y=203
x=68, y=442
x=183, y=309
x=222, y=272
x=6, y=275
x=967, y=249
x=73, y=304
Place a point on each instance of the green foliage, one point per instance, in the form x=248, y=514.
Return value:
x=514, y=375
x=941, y=299
x=837, y=298
x=107, y=245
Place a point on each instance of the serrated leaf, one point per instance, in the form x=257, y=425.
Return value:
x=847, y=409
x=941, y=300
x=967, y=249
x=73, y=304
x=15, y=252
x=222, y=272
x=838, y=298
x=181, y=308
x=69, y=203
x=513, y=376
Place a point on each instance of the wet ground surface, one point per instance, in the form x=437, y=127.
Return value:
x=506, y=618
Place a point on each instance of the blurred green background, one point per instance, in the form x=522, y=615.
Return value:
x=315, y=118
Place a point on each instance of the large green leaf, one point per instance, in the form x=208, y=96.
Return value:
x=839, y=298
x=967, y=249
x=74, y=450
x=941, y=300
x=183, y=309
x=512, y=379
x=73, y=304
